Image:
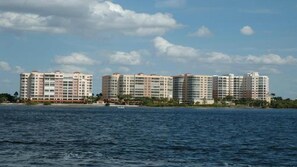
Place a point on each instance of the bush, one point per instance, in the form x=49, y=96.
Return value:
x=31, y=103
x=47, y=103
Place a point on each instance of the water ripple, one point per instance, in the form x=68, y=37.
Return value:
x=140, y=137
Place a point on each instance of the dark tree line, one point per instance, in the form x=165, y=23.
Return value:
x=276, y=102
x=8, y=98
x=279, y=102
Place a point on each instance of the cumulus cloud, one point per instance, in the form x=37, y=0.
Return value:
x=28, y=22
x=126, y=58
x=19, y=69
x=166, y=48
x=74, y=59
x=170, y=3
x=270, y=59
x=269, y=70
x=189, y=54
x=76, y=16
x=4, y=66
x=202, y=32
x=247, y=30
x=218, y=57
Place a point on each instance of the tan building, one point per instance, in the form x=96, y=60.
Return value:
x=227, y=85
x=193, y=88
x=256, y=87
x=55, y=87
x=139, y=85
x=249, y=86
x=110, y=86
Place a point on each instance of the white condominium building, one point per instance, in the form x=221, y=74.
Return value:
x=139, y=85
x=227, y=85
x=249, y=86
x=55, y=87
x=193, y=88
x=256, y=86
x=237, y=87
x=110, y=86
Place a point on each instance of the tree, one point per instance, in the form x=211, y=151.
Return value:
x=2, y=99
x=5, y=97
x=16, y=94
x=228, y=98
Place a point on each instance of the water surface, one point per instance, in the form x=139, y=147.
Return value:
x=107, y=136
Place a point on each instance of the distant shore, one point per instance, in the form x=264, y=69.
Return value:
x=133, y=106
x=68, y=105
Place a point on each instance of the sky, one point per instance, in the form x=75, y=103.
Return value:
x=166, y=37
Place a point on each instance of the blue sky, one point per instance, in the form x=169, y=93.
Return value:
x=167, y=37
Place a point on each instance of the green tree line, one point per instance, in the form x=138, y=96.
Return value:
x=276, y=102
x=8, y=98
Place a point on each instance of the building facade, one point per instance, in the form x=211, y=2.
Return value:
x=55, y=87
x=110, y=86
x=193, y=88
x=138, y=85
x=256, y=87
x=227, y=85
x=249, y=86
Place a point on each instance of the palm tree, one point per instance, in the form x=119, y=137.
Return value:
x=16, y=94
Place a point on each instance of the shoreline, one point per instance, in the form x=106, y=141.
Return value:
x=131, y=106
x=68, y=105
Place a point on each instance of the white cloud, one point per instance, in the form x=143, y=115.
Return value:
x=4, y=66
x=19, y=69
x=247, y=30
x=188, y=54
x=27, y=22
x=178, y=52
x=218, y=57
x=170, y=3
x=125, y=58
x=45, y=7
x=75, y=16
x=202, y=32
x=270, y=59
x=269, y=70
x=74, y=59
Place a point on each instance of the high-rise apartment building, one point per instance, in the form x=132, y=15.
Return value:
x=55, y=87
x=256, y=86
x=110, y=86
x=227, y=85
x=187, y=88
x=179, y=88
x=193, y=88
x=249, y=86
x=237, y=87
x=139, y=85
